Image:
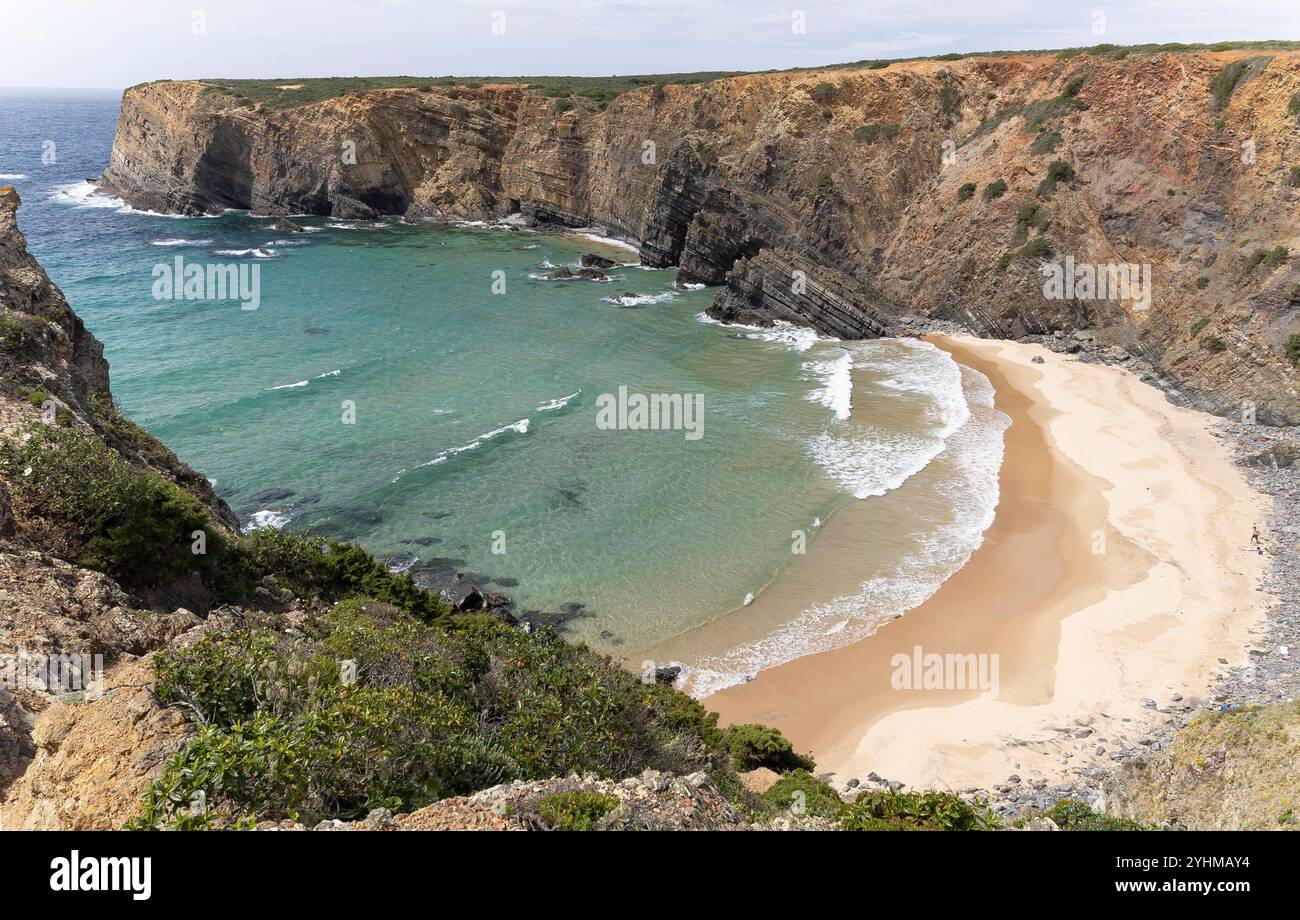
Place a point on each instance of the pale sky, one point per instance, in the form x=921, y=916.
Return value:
x=117, y=43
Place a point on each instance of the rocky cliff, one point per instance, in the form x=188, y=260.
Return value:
x=73, y=758
x=849, y=199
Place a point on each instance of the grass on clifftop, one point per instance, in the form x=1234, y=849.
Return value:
x=289, y=92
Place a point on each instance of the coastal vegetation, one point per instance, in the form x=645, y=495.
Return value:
x=289, y=92
x=369, y=707
x=888, y=810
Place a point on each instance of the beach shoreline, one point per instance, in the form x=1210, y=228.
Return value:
x=1116, y=576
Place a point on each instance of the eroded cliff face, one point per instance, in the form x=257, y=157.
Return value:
x=835, y=198
x=73, y=759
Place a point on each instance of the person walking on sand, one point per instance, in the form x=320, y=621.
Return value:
x=1254, y=535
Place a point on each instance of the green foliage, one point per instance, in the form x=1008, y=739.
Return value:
x=803, y=793
x=1047, y=142
x=104, y=512
x=823, y=93
x=1202, y=283
x=824, y=183
x=14, y=337
x=1214, y=344
x=563, y=105
x=753, y=746
x=869, y=134
x=1292, y=350
x=1036, y=248
x=1269, y=258
x=995, y=189
x=1294, y=178
x=1293, y=294
x=1199, y=326
x=966, y=191
x=309, y=90
x=1057, y=171
x=426, y=710
x=460, y=111
x=1070, y=815
x=1293, y=107
x=916, y=811
x=1226, y=80
x=1031, y=216
x=309, y=565
x=575, y=811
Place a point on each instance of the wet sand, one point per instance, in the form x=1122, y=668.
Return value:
x=1117, y=568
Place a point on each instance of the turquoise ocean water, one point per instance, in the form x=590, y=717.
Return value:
x=474, y=444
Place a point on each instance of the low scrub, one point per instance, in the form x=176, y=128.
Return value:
x=869, y=134
x=995, y=189
x=916, y=811
x=1269, y=258
x=371, y=707
x=754, y=746
x=801, y=793
x=575, y=811
x=93, y=507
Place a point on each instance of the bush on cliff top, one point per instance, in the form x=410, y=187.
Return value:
x=373, y=708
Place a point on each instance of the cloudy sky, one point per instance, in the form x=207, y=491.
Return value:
x=116, y=43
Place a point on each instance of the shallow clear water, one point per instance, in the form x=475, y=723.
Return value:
x=475, y=443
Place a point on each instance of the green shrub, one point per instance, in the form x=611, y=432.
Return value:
x=753, y=746
x=1213, y=343
x=1031, y=216
x=823, y=93
x=1292, y=349
x=309, y=565
x=803, y=793
x=14, y=337
x=1293, y=107
x=370, y=707
x=1199, y=326
x=105, y=513
x=1226, y=80
x=575, y=811
x=916, y=811
x=824, y=183
x=1294, y=178
x=1047, y=142
x=869, y=134
x=966, y=191
x=1293, y=295
x=1057, y=171
x=1202, y=283
x=1070, y=815
x=995, y=189
x=563, y=105
x=1269, y=258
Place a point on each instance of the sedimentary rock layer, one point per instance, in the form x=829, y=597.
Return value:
x=839, y=198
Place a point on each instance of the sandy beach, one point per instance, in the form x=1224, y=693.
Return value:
x=1118, y=569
